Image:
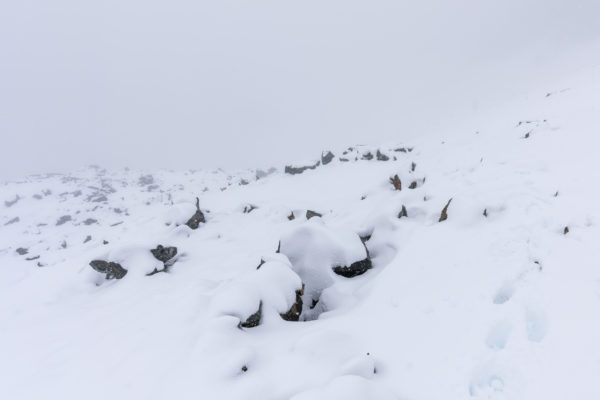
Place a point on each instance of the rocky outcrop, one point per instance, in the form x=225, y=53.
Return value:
x=112, y=270
x=298, y=170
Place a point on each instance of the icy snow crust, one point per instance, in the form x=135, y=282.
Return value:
x=497, y=306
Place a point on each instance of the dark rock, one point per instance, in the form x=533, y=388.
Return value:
x=291, y=217
x=381, y=157
x=164, y=254
x=249, y=208
x=244, y=368
x=367, y=156
x=32, y=258
x=401, y=149
x=298, y=170
x=260, y=264
x=243, y=182
x=556, y=194
x=146, y=180
x=485, y=212
x=90, y=221
x=566, y=230
x=396, y=182
x=97, y=198
x=444, y=214
x=413, y=185
x=253, y=320
x=117, y=223
x=327, y=157
x=278, y=247
x=344, y=159
x=365, y=238
x=22, y=251
x=87, y=239
x=111, y=269
x=293, y=314
x=311, y=213
x=105, y=242
x=197, y=218
x=63, y=220
x=413, y=166
x=355, y=269
x=11, y=203
x=314, y=303
x=403, y=212
x=12, y=221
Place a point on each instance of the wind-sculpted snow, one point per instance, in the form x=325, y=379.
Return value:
x=474, y=288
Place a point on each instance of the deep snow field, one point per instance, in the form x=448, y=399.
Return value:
x=501, y=300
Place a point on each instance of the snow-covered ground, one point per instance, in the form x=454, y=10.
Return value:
x=501, y=300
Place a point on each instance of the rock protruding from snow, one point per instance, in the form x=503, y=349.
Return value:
x=327, y=157
x=198, y=217
x=294, y=170
x=310, y=214
x=355, y=269
x=164, y=254
x=112, y=270
x=396, y=182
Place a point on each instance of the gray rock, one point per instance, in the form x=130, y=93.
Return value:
x=198, y=217
x=381, y=157
x=11, y=203
x=164, y=254
x=22, y=251
x=111, y=269
x=145, y=180
x=444, y=214
x=293, y=314
x=403, y=212
x=90, y=221
x=12, y=221
x=327, y=157
x=367, y=156
x=311, y=213
x=253, y=320
x=355, y=269
x=298, y=170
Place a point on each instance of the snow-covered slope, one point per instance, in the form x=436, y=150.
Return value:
x=500, y=300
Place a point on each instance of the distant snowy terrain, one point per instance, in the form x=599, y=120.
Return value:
x=462, y=265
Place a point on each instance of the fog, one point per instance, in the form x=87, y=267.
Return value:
x=192, y=84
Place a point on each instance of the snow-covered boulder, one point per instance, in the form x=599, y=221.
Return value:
x=269, y=293
x=318, y=252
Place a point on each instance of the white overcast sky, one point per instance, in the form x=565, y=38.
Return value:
x=191, y=84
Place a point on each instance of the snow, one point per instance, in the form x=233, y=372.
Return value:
x=496, y=306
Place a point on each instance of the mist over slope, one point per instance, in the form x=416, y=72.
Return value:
x=459, y=265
